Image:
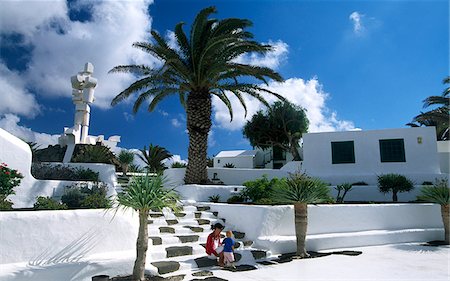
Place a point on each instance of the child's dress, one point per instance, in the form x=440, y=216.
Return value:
x=228, y=256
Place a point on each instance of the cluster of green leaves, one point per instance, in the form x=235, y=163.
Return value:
x=394, y=183
x=60, y=172
x=9, y=179
x=301, y=188
x=345, y=188
x=153, y=157
x=229, y=165
x=214, y=198
x=438, y=193
x=178, y=165
x=48, y=203
x=260, y=189
x=94, y=154
x=89, y=196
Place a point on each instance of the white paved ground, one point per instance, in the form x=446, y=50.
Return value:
x=390, y=262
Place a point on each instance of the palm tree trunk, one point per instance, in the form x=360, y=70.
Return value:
x=294, y=151
x=198, y=125
x=125, y=169
x=301, y=226
x=446, y=219
x=141, y=247
x=394, y=196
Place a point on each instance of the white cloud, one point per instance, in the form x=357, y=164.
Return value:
x=211, y=139
x=356, y=19
x=176, y=123
x=15, y=98
x=272, y=59
x=175, y=158
x=307, y=94
x=129, y=117
x=10, y=123
x=172, y=40
x=61, y=46
x=163, y=113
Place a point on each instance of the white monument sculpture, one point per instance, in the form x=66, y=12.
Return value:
x=83, y=85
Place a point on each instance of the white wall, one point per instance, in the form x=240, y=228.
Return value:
x=421, y=164
x=444, y=156
x=247, y=161
x=201, y=193
x=37, y=237
x=17, y=154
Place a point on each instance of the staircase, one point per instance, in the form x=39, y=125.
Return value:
x=177, y=241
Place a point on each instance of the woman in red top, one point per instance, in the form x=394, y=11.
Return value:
x=214, y=246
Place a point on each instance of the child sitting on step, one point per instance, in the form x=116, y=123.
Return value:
x=228, y=247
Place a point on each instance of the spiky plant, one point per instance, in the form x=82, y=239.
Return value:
x=178, y=165
x=203, y=65
x=142, y=195
x=125, y=158
x=439, y=193
x=301, y=190
x=345, y=188
x=93, y=154
x=394, y=183
x=154, y=157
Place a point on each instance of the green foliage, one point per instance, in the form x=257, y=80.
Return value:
x=282, y=126
x=86, y=196
x=229, y=165
x=235, y=199
x=210, y=162
x=133, y=168
x=52, y=153
x=47, y=203
x=154, y=157
x=214, y=198
x=345, y=187
x=125, y=157
x=93, y=154
x=5, y=204
x=438, y=193
x=427, y=183
x=301, y=188
x=360, y=183
x=61, y=172
x=9, y=179
x=394, y=183
x=264, y=201
x=179, y=165
x=259, y=188
x=147, y=193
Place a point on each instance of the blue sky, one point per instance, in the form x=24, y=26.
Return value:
x=351, y=64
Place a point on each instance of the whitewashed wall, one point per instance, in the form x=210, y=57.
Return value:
x=201, y=193
x=37, y=237
x=238, y=161
x=17, y=154
x=444, y=156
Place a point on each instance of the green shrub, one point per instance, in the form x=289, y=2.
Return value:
x=394, y=183
x=235, y=199
x=61, y=172
x=9, y=178
x=229, y=165
x=133, y=168
x=86, y=196
x=86, y=175
x=264, y=201
x=345, y=187
x=47, y=203
x=438, y=193
x=360, y=183
x=5, y=204
x=259, y=188
x=214, y=198
x=178, y=165
x=73, y=197
x=94, y=154
x=427, y=183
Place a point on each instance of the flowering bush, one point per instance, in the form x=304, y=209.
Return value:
x=9, y=178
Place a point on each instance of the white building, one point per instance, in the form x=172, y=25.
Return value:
x=237, y=158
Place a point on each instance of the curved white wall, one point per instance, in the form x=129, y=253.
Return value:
x=201, y=193
x=37, y=237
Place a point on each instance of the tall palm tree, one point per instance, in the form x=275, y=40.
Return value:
x=203, y=65
x=301, y=190
x=439, y=193
x=154, y=157
x=125, y=159
x=438, y=117
x=142, y=195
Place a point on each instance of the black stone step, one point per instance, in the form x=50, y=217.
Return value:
x=171, y=222
x=258, y=254
x=240, y=268
x=188, y=238
x=194, y=228
x=202, y=273
x=180, y=215
x=156, y=215
x=166, y=229
x=211, y=278
x=203, y=208
x=238, y=235
x=215, y=213
x=237, y=245
x=224, y=220
x=166, y=266
x=207, y=262
x=156, y=240
x=177, y=251
x=266, y=262
x=197, y=215
x=203, y=221
x=248, y=243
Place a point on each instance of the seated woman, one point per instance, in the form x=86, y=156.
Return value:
x=214, y=246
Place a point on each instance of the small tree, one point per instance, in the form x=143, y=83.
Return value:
x=394, y=183
x=9, y=179
x=154, y=157
x=345, y=188
x=301, y=190
x=439, y=193
x=282, y=125
x=125, y=159
x=142, y=195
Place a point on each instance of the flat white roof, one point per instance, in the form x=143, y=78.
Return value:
x=236, y=153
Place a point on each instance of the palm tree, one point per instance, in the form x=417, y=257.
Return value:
x=153, y=157
x=125, y=159
x=142, y=195
x=439, y=193
x=301, y=190
x=438, y=117
x=203, y=65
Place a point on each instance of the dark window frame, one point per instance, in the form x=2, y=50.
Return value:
x=340, y=157
x=392, y=150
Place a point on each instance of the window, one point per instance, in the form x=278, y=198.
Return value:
x=392, y=150
x=342, y=152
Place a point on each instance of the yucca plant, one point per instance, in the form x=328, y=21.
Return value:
x=202, y=65
x=345, y=188
x=439, y=193
x=142, y=195
x=394, y=183
x=301, y=190
x=154, y=157
x=125, y=158
x=94, y=154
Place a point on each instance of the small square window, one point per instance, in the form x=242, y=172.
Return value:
x=392, y=150
x=342, y=152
